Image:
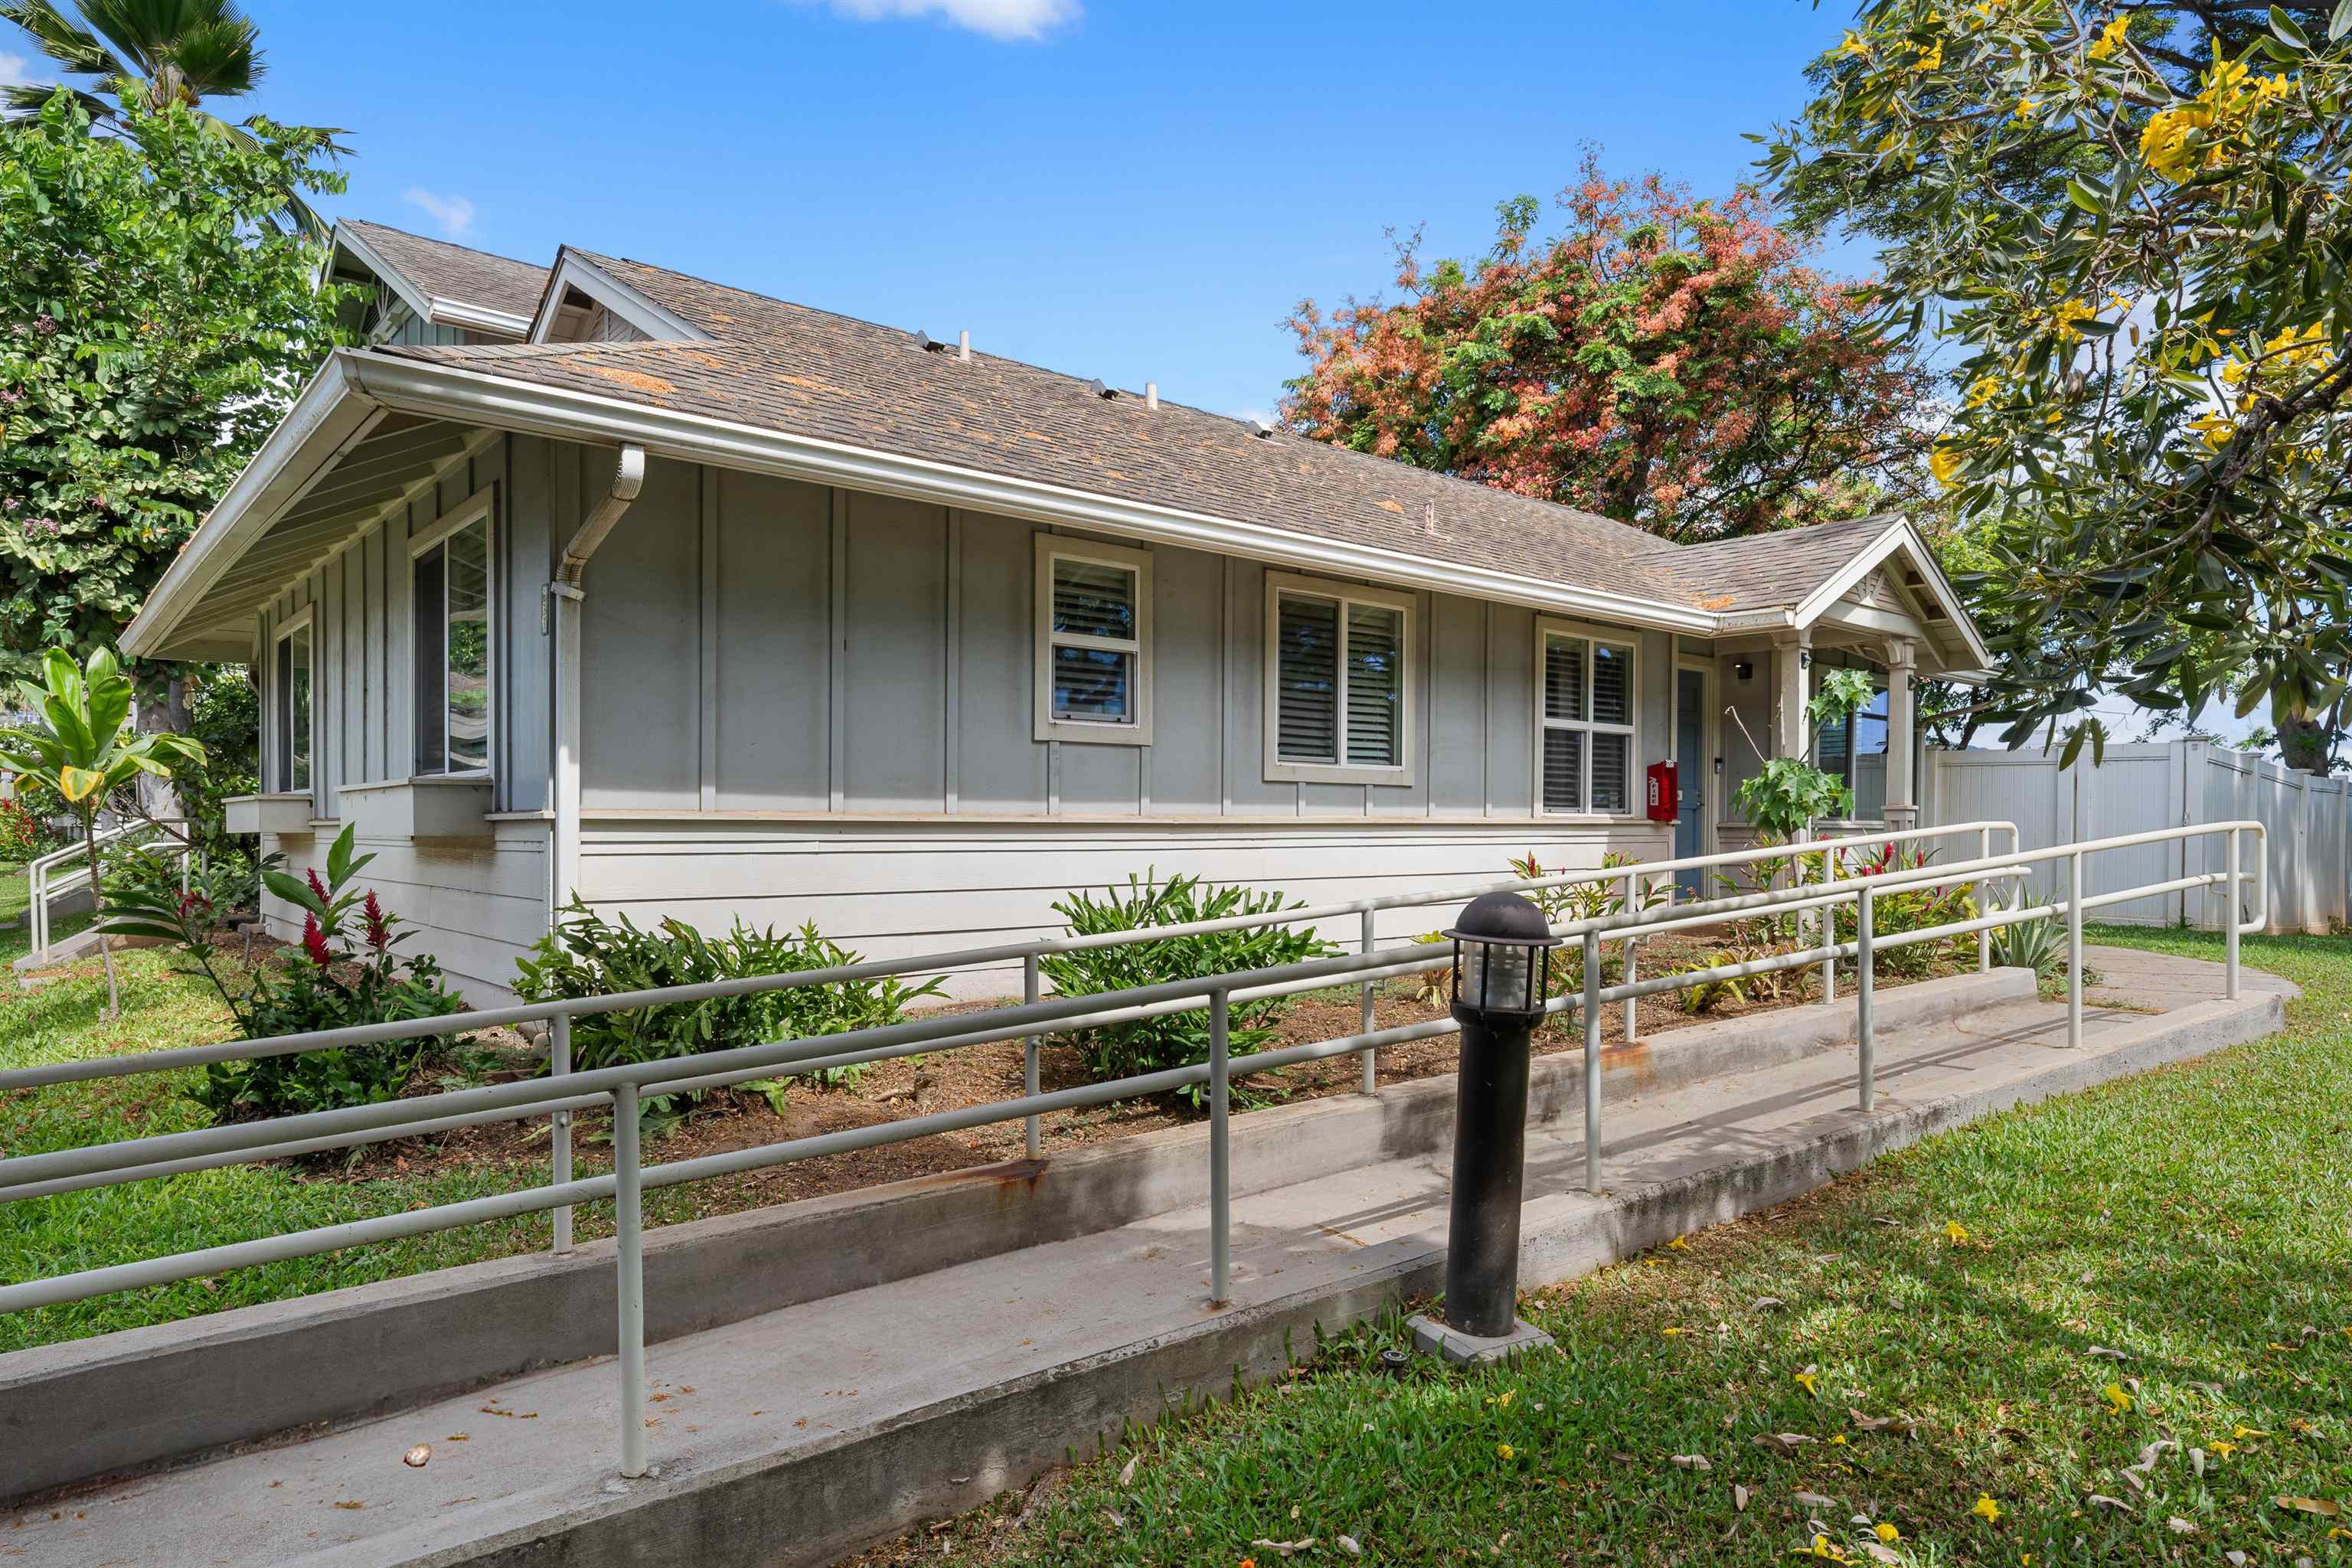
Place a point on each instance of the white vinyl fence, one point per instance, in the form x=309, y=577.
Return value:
x=2138, y=788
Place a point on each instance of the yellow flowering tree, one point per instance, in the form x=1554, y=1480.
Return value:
x=2127, y=229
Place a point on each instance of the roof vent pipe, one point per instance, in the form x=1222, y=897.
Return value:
x=963, y=345
x=1151, y=394
x=628, y=478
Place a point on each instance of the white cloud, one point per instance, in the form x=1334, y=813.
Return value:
x=454, y=213
x=1005, y=19
x=15, y=70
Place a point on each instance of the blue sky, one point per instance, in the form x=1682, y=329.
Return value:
x=1109, y=187
x=1128, y=190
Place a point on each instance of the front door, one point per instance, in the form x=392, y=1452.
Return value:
x=1692, y=770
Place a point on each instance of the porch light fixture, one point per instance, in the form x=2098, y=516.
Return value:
x=1502, y=961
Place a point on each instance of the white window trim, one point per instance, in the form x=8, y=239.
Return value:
x=1052, y=547
x=1277, y=771
x=302, y=620
x=479, y=507
x=1588, y=633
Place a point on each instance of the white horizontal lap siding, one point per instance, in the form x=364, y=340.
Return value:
x=899, y=889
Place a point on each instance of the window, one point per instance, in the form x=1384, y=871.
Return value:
x=451, y=566
x=1585, y=709
x=1094, y=642
x=291, y=707
x=1338, y=693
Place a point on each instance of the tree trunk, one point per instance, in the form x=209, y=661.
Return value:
x=98, y=912
x=157, y=798
x=2307, y=745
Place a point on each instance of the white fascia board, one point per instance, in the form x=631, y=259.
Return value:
x=1899, y=535
x=444, y=391
x=332, y=413
x=631, y=305
x=478, y=318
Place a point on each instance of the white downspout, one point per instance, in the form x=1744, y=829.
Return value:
x=564, y=595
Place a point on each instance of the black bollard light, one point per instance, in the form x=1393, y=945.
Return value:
x=1502, y=961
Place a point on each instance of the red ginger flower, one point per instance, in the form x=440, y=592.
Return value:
x=317, y=886
x=314, y=941
x=379, y=930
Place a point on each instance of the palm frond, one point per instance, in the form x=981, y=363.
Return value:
x=73, y=47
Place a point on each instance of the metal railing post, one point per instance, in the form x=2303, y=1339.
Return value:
x=1866, y=1023
x=559, y=1065
x=2230, y=919
x=1987, y=891
x=1828, y=928
x=1033, y=1127
x=629, y=1228
x=1633, y=1004
x=2075, y=949
x=1221, y=1173
x=1372, y=1053
x=1592, y=1061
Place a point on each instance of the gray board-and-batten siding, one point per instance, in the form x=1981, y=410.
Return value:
x=810, y=703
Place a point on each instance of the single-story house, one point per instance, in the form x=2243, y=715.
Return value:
x=600, y=579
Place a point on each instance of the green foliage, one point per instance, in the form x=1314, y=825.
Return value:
x=345, y=972
x=1172, y=1039
x=154, y=326
x=225, y=716
x=2039, y=945
x=1910, y=910
x=2130, y=234
x=589, y=955
x=1788, y=794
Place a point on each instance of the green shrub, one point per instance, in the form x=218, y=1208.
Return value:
x=345, y=972
x=1914, y=908
x=589, y=955
x=1172, y=1039
x=2039, y=945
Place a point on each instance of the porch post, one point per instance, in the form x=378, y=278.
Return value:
x=1793, y=689
x=1902, y=808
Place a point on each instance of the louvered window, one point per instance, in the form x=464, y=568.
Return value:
x=450, y=600
x=1338, y=681
x=1587, y=720
x=1092, y=636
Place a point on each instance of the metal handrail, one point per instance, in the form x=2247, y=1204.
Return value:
x=622, y=1087
x=40, y=887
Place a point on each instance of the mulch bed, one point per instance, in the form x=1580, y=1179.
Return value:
x=952, y=1079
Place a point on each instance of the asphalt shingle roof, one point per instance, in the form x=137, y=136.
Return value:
x=446, y=271
x=791, y=368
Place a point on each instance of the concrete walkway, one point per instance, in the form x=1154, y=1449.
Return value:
x=793, y=1437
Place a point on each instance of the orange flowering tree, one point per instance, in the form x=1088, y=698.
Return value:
x=1668, y=362
x=2128, y=228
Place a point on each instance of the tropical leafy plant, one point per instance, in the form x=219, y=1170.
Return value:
x=344, y=972
x=84, y=750
x=1173, y=1039
x=589, y=955
x=2038, y=944
x=1787, y=795
x=1909, y=909
x=20, y=833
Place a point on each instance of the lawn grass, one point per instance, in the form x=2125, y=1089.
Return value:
x=2198, y=1219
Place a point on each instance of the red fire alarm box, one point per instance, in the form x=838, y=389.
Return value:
x=1664, y=799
